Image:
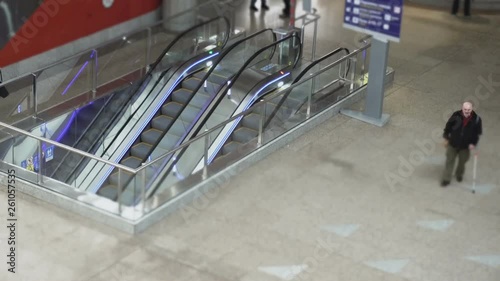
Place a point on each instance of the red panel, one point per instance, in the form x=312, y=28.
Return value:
x=57, y=22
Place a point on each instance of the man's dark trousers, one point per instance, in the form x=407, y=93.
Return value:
x=451, y=155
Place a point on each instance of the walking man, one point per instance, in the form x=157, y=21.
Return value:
x=461, y=135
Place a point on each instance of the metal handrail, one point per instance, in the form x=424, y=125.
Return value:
x=315, y=34
x=114, y=40
x=202, y=135
x=128, y=169
x=247, y=64
x=261, y=103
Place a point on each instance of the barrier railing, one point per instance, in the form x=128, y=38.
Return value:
x=83, y=77
x=332, y=84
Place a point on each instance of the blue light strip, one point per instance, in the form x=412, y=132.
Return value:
x=108, y=172
x=68, y=125
x=74, y=78
x=237, y=121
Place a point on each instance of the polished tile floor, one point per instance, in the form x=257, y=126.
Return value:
x=346, y=201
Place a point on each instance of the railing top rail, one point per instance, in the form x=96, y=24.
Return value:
x=128, y=169
x=266, y=100
x=113, y=40
x=202, y=135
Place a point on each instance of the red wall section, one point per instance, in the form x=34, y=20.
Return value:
x=57, y=22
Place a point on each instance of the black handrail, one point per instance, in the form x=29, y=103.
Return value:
x=205, y=77
x=149, y=75
x=297, y=79
x=223, y=93
x=314, y=63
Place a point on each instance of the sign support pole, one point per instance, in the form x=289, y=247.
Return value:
x=375, y=89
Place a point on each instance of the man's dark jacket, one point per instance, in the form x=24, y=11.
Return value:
x=461, y=137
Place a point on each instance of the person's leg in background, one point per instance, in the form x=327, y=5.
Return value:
x=451, y=154
x=463, y=157
x=454, y=9
x=264, y=5
x=252, y=5
x=286, y=10
x=467, y=8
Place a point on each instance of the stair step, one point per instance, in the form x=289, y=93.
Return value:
x=244, y=134
x=162, y=122
x=131, y=161
x=171, y=109
x=140, y=150
x=191, y=83
x=151, y=136
x=252, y=121
x=182, y=95
x=113, y=178
x=108, y=191
x=230, y=147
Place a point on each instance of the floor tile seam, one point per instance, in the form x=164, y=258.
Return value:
x=117, y=261
x=166, y=253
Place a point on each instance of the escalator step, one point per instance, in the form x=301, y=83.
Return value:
x=230, y=147
x=151, y=136
x=161, y=122
x=128, y=197
x=140, y=150
x=244, y=134
x=201, y=74
x=191, y=83
x=113, y=178
x=182, y=95
x=252, y=121
x=108, y=191
x=132, y=162
x=171, y=109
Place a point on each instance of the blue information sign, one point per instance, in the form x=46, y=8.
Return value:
x=380, y=18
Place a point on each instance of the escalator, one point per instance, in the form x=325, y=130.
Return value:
x=100, y=136
x=177, y=115
x=280, y=107
x=265, y=71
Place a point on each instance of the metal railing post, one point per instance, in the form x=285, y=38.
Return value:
x=205, y=157
x=149, y=45
x=120, y=190
x=40, y=163
x=94, y=73
x=353, y=63
x=35, y=96
x=143, y=191
x=309, y=95
x=315, y=34
x=261, y=125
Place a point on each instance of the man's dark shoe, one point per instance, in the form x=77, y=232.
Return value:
x=445, y=183
x=459, y=178
x=284, y=16
x=265, y=7
x=253, y=8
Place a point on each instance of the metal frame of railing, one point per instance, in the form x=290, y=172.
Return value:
x=94, y=56
x=205, y=135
